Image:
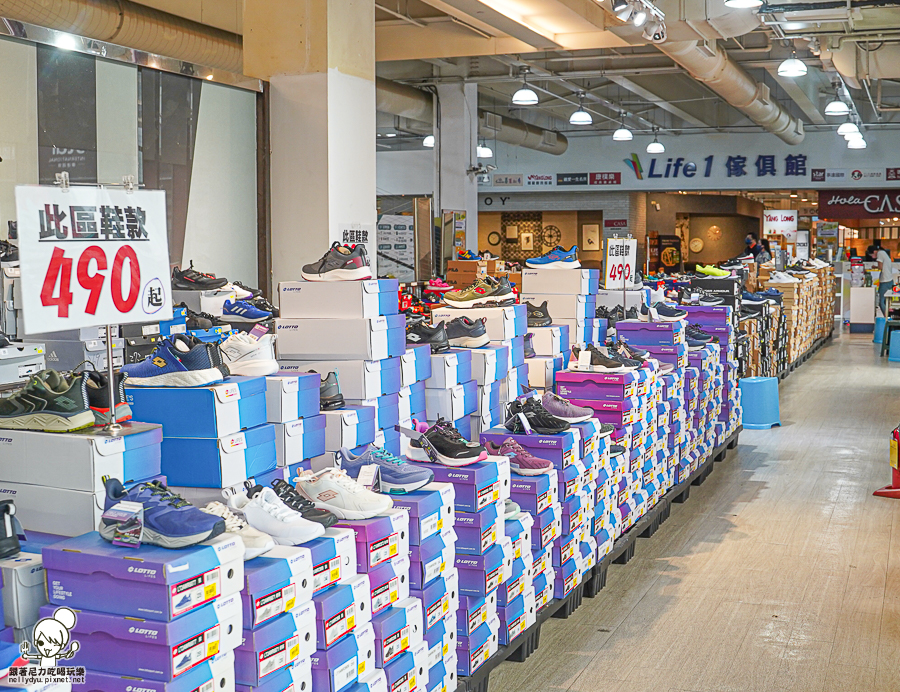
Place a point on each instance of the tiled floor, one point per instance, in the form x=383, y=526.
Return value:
x=781, y=572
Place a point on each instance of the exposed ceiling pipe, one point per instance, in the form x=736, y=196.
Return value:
x=707, y=64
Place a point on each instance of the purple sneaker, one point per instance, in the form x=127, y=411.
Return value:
x=565, y=409
x=521, y=461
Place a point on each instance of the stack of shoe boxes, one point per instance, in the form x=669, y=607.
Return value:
x=416, y=370
x=516, y=602
x=449, y=391
x=571, y=299
x=23, y=595
x=149, y=614
x=18, y=362
x=66, y=350
x=552, y=348
x=292, y=407
x=490, y=370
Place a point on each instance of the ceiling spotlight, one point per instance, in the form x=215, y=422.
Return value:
x=856, y=143
x=484, y=152
x=655, y=32
x=850, y=136
x=656, y=147
x=624, y=13
x=623, y=134
x=581, y=116
x=525, y=96
x=209, y=77
x=837, y=107
x=391, y=134
x=428, y=141
x=743, y=4
x=847, y=127
x=792, y=67
x=619, y=5
x=639, y=18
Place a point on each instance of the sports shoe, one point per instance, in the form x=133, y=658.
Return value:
x=450, y=448
x=698, y=296
x=629, y=351
x=244, y=312
x=177, y=361
x=511, y=510
x=557, y=258
x=628, y=364
x=565, y=409
x=529, y=346
x=196, y=321
x=735, y=263
x=334, y=490
x=483, y=292
x=262, y=304
x=539, y=419
x=467, y=255
x=49, y=401
x=192, y=280
x=9, y=254
x=666, y=313
x=9, y=539
x=254, y=292
x=250, y=357
x=598, y=362
x=255, y=542
x=289, y=496
x=602, y=312
x=264, y=511
x=340, y=263
x=239, y=292
x=465, y=333
x=694, y=344
x=782, y=278
x=503, y=290
x=396, y=475
x=330, y=397
x=521, y=461
x=419, y=332
x=98, y=396
x=170, y=521
x=710, y=270
x=694, y=332
x=538, y=316
x=616, y=450
x=753, y=298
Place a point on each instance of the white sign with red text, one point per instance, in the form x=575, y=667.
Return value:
x=781, y=222
x=92, y=256
x=621, y=260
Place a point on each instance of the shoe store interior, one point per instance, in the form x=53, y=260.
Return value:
x=492, y=345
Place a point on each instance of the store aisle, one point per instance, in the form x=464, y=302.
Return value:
x=781, y=572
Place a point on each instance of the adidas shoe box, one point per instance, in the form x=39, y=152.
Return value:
x=373, y=338
x=430, y=509
x=222, y=462
x=67, y=354
x=474, y=611
x=359, y=379
x=340, y=610
x=23, y=589
x=453, y=402
x=151, y=649
x=276, y=644
x=291, y=397
x=450, y=369
x=389, y=583
x=560, y=281
x=150, y=582
x=299, y=440
x=275, y=583
x=333, y=557
x=475, y=486
x=473, y=650
x=380, y=538
x=297, y=676
x=397, y=629
x=500, y=322
x=338, y=300
x=213, y=673
x=353, y=657
x=431, y=558
x=352, y=426
x=416, y=364
x=18, y=362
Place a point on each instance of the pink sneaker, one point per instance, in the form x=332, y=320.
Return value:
x=438, y=285
x=521, y=461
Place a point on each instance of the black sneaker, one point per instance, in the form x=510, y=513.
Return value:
x=598, y=361
x=538, y=316
x=601, y=313
x=192, y=280
x=418, y=333
x=298, y=503
x=51, y=402
x=98, y=396
x=665, y=312
x=503, y=292
x=196, y=321
x=450, y=448
x=733, y=264
x=697, y=334
x=529, y=346
x=612, y=354
x=9, y=539
x=632, y=352
x=261, y=303
x=255, y=292
x=463, y=332
x=330, y=397
x=688, y=295
x=539, y=420
x=4, y=341
x=340, y=263
x=632, y=314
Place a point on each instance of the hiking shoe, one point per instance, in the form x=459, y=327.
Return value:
x=98, y=396
x=465, y=333
x=340, y=263
x=265, y=511
x=419, y=332
x=666, y=313
x=250, y=357
x=49, y=401
x=396, y=475
x=538, y=418
x=564, y=409
x=192, y=280
x=529, y=346
x=330, y=397
x=177, y=361
x=557, y=258
x=334, y=490
x=538, y=316
x=503, y=291
x=244, y=312
x=598, y=361
x=255, y=541
x=449, y=447
x=521, y=461
x=297, y=502
x=170, y=521
x=483, y=292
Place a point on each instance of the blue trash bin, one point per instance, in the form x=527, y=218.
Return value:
x=759, y=400
x=894, y=347
x=879, y=330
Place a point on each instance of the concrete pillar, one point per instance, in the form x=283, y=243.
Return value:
x=319, y=58
x=456, y=138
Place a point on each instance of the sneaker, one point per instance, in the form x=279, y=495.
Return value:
x=697, y=334
x=177, y=361
x=511, y=510
x=632, y=352
x=334, y=490
x=9, y=254
x=254, y=292
x=602, y=312
x=192, y=280
x=438, y=286
x=340, y=263
x=250, y=357
x=665, y=312
x=196, y=321
x=465, y=333
x=481, y=293
x=694, y=344
x=49, y=401
x=255, y=542
x=565, y=409
x=467, y=255
x=396, y=475
x=450, y=448
x=264, y=511
x=753, y=298
x=715, y=272
x=521, y=461
x=698, y=296
x=538, y=316
x=9, y=539
x=735, y=263
x=244, y=312
x=170, y=521
x=262, y=304
x=782, y=278
x=289, y=496
x=503, y=290
x=628, y=364
x=419, y=332
x=239, y=293
x=330, y=397
x=98, y=396
x=529, y=346
x=598, y=361
x=616, y=450
x=538, y=418
x=557, y=258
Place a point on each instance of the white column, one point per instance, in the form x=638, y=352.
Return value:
x=456, y=139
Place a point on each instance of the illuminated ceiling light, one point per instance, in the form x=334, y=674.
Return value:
x=856, y=143
x=837, y=107
x=847, y=128
x=66, y=42
x=804, y=199
x=209, y=77
x=793, y=193
x=792, y=67
x=639, y=18
x=391, y=134
x=656, y=147
x=525, y=96
x=743, y=4
x=625, y=13
x=484, y=152
x=853, y=135
x=623, y=134
x=581, y=116
x=619, y=5
x=428, y=141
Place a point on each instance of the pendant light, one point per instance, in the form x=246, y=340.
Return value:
x=856, y=143
x=623, y=134
x=847, y=128
x=792, y=67
x=581, y=116
x=428, y=141
x=482, y=151
x=850, y=136
x=837, y=107
x=656, y=147
x=525, y=96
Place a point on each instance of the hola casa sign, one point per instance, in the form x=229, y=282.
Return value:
x=858, y=204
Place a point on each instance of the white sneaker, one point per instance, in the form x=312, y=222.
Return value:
x=255, y=542
x=245, y=355
x=334, y=490
x=240, y=293
x=266, y=512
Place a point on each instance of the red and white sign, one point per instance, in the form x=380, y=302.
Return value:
x=539, y=180
x=621, y=257
x=615, y=223
x=92, y=256
x=613, y=178
x=858, y=204
x=781, y=222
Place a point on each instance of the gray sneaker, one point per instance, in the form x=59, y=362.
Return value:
x=565, y=409
x=340, y=263
x=330, y=397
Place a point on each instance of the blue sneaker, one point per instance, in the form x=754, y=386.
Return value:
x=242, y=311
x=557, y=258
x=397, y=475
x=186, y=601
x=693, y=344
x=170, y=521
x=178, y=361
x=467, y=255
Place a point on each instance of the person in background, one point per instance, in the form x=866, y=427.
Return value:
x=871, y=253
x=765, y=254
x=753, y=246
x=885, y=277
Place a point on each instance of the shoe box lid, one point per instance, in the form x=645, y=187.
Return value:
x=440, y=640
x=397, y=629
x=559, y=448
x=275, y=583
x=207, y=674
x=571, y=480
x=389, y=583
x=386, y=407
x=560, y=281
x=519, y=529
x=645, y=334
x=78, y=460
x=547, y=527
x=376, y=681
x=619, y=413
x=564, y=548
x=563, y=305
x=432, y=559
x=297, y=676
x=478, y=531
x=289, y=397
x=567, y=577
x=379, y=538
x=23, y=589
x=475, y=611
x=429, y=508
x=512, y=618
x=437, y=676
x=475, y=486
x=416, y=364
x=359, y=379
x=336, y=668
x=450, y=368
x=490, y=362
x=480, y=574
x=338, y=299
x=710, y=314
x=355, y=338
x=597, y=385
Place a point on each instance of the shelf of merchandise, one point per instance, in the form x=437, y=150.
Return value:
x=623, y=551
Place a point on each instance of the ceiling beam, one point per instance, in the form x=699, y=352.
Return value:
x=509, y=25
x=804, y=91
x=657, y=100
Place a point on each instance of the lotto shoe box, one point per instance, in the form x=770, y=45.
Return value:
x=397, y=629
x=359, y=379
x=474, y=650
x=388, y=583
x=276, y=583
x=440, y=640
x=277, y=644
x=439, y=599
x=23, y=589
x=353, y=657
x=450, y=369
x=412, y=401
x=645, y=334
x=560, y=281
x=559, y=449
x=431, y=558
x=513, y=620
x=380, y=538
x=290, y=398
x=597, y=386
x=387, y=409
x=543, y=370
x=490, y=363
x=299, y=439
x=430, y=510
x=373, y=338
x=565, y=306
x=213, y=673
x=479, y=575
x=534, y=494
x=341, y=609
x=408, y=672
x=474, y=611
x=350, y=427
x=297, y=676
x=333, y=557
x=518, y=583
x=415, y=364
x=453, y=402
x=547, y=527
x=338, y=300
x=475, y=486
x=476, y=532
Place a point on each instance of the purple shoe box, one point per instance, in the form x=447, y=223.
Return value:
x=396, y=630
x=479, y=575
x=430, y=509
x=277, y=644
x=333, y=557
x=476, y=532
x=618, y=413
x=518, y=530
x=547, y=527
x=473, y=651
x=335, y=669
x=202, y=676
x=645, y=334
x=440, y=640
x=475, y=486
x=534, y=494
x=401, y=673
x=711, y=314
x=596, y=385
x=559, y=449
x=379, y=539
x=676, y=354
x=512, y=620
x=275, y=583
x=439, y=598
x=568, y=576
x=516, y=585
x=691, y=383
x=389, y=583
x=570, y=481
x=475, y=611
x=431, y=558
x=590, y=436
x=543, y=588
x=337, y=613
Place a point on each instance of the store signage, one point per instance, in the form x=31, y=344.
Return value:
x=621, y=256
x=615, y=223
x=507, y=180
x=858, y=204
x=539, y=180
x=802, y=239
x=892, y=173
x=781, y=222
x=614, y=178
x=867, y=174
x=824, y=175
x=92, y=256
x=571, y=178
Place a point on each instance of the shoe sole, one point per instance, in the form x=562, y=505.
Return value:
x=558, y=264
x=482, y=301
x=543, y=322
x=101, y=415
x=578, y=419
x=594, y=368
x=189, y=378
x=247, y=320
x=519, y=471
x=470, y=341
x=646, y=318
x=314, y=530
x=250, y=553
x=437, y=347
x=151, y=537
x=358, y=274
x=401, y=489
x=351, y=514
x=418, y=454
x=49, y=422
x=255, y=368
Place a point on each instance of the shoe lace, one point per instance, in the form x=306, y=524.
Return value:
x=233, y=523
x=387, y=457
x=445, y=428
x=290, y=496
x=324, y=259
x=279, y=510
x=165, y=495
x=516, y=447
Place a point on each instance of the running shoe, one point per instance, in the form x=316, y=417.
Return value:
x=616, y=450
x=735, y=263
x=254, y=292
x=694, y=332
x=340, y=263
x=521, y=461
x=629, y=351
x=263, y=304
x=49, y=401
x=243, y=312
x=186, y=600
x=628, y=364
x=419, y=332
x=289, y=496
x=564, y=409
x=602, y=312
x=239, y=293
x=539, y=419
x=98, y=396
x=480, y=293
x=334, y=490
x=693, y=344
x=665, y=312
x=467, y=255
x=396, y=475
x=449, y=447
x=557, y=258
x=503, y=290
x=265, y=511
x=170, y=521
x=330, y=397
x=465, y=333
x=250, y=357
x=177, y=361
x=255, y=542
x=538, y=316
x=192, y=280
x=753, y=298
x=529, y=346
x=712, y=271
x=698, y=296
x=195, y=321
x=598, y=361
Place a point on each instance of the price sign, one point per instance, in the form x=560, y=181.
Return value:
x=92, y=256
x=621, y=258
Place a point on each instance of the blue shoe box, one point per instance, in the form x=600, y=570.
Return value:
x=299, y=439
x=279, y=643
x=439, y=598
x=449, y=369
x=351, y=427
x=476, y=532
x=388, y=583
x=291, y=397
x=210, y=412
x=359, y=379
x=351, y=658
x=512, y=620
x=568, y=576
x=387, y=409
x=547, y=527
x=402, y=674
x=397, y=629
x=339, y=611
x=475, y=486
x=440, y=640
x=431, y=558
x=543, y=588
x=474, y=611
x=452, y=403
x=517, y=351
x=376, y=681
x=437, y=678
x=333, y=557
x=534, y=494
x=430, y=509
x=518, y=530
x=275, y=583
x=297, y=676
x=490, y=363
x=416, y=364
x=517, y=584
x=474, y=650
x=206, y=675
x=480, y=575
x=177, y=325
x=564, y=548
x=573, y=513
x=412, y=400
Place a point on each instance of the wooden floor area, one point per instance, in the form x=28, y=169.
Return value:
x=781, y=572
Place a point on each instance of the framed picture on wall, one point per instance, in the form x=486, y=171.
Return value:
x=526, y=240
x=512, y=232
x=590, y=236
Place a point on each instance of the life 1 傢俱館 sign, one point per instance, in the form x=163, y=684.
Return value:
x=621, y=260
x=92, y=256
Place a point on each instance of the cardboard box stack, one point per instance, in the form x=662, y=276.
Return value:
x=66, y=350
x=416, y=371
x=571, y=296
